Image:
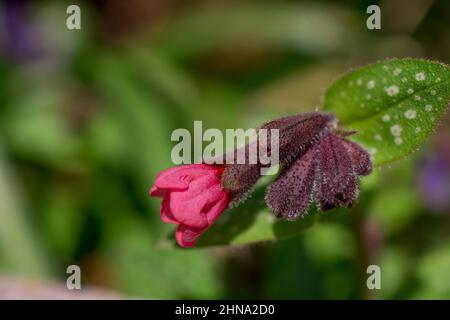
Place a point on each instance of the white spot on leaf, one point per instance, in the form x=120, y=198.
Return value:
x=398, y=141
x=428, y=107
x=386, y=118
x=410, y=114
x=396, y=130
x=397, y=71
x=420, y=76
x=392, y=90
x=371, y=84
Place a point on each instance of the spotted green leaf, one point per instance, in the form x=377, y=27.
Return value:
x=394, y=105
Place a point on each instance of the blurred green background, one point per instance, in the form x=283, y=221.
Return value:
x=85, y=123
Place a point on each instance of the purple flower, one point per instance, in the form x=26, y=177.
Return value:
x=434, y=182
x=318, y=164
x=297, y=134
x=21, y=41
x=327, y=173
x=434, y=172
x=291, y=193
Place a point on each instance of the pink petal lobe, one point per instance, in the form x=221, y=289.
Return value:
x=217, y=208
x=166, y=214
x=180, y=177
x=155, y=192
x=186, y=237
x=188, y=206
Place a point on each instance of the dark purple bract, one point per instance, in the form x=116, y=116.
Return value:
x=317, y=163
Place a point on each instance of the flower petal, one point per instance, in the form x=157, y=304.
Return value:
x=188, y=206
x=155, y=192
x=179, y=178
x=337, y=183
x=187, y=237
x=215, y=209
x=360, y=158
x=290, y=195
x=165, y=213
x=298, y=132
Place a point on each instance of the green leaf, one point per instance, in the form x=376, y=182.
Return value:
x=143, y=117
x=433, y=275
x=35, y=128
x=23, y=252
x=174, y=274
x=394, y=105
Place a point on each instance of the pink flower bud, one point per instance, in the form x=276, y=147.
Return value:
x=193, y=199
